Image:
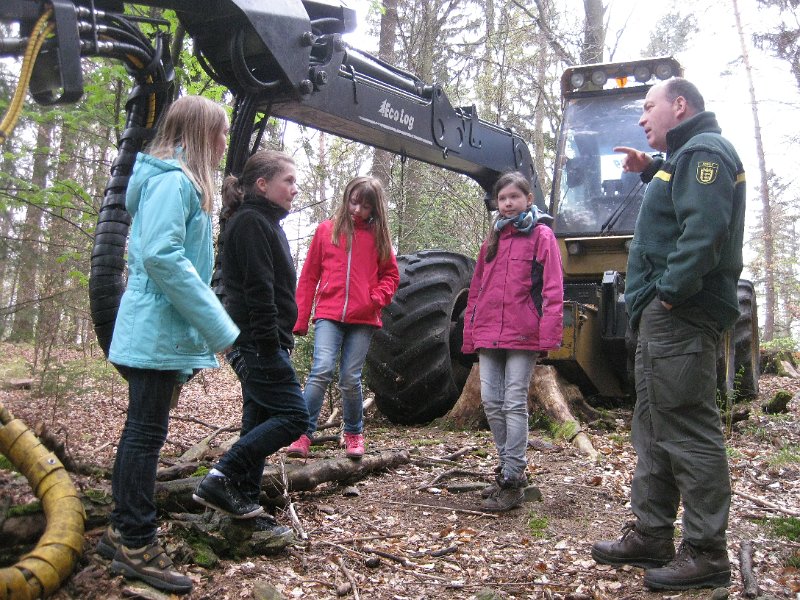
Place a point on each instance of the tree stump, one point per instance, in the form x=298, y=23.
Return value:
x=548, y=392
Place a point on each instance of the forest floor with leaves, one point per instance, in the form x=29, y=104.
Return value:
x=448, y=547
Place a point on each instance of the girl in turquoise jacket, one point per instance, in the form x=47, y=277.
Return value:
x=169, y=322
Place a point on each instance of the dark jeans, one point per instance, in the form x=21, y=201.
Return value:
x=677, y=432
x=134, y=480
x=274, y=415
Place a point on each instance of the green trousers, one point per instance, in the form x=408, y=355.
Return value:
x=677, y=433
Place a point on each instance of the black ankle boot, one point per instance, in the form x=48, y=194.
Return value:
x=692, y=568
x=221, y=493
x=634, y=548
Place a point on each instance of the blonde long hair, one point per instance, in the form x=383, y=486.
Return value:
x=193, y=124
x=368, y=189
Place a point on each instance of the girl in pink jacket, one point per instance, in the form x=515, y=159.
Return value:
x=514, y=312
x=349, y=276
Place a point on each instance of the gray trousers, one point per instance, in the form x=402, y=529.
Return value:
x=505, y=378
x=677, y=433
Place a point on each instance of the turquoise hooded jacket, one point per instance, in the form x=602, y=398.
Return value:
x=168, y=319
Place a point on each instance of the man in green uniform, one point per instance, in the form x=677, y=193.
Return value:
x=683, y=267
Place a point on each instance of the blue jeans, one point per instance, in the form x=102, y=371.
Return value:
x=133, y=483
x=273, y=414
x=330, y=339
x=505, y=378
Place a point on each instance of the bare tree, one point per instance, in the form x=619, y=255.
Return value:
x=766, y=208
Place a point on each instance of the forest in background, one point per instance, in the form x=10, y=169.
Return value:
x=504, y=57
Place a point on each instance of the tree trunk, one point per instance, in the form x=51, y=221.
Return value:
x=30, y=247
x=382, y=159
x=766, y=205
x=594, y=32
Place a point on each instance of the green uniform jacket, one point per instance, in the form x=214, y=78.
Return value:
x=687, y=245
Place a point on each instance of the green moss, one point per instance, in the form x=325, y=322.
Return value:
x=733, y=452
x=7, y=464
x=14, y=366
x=22, y=510
x=537, y=524
x=567, y=430
x=786, y=455
x=201, y=471
x=98, y=496
x=793, y=560
x=786, y=527
x=426, y=442
x=481, y=452
x=203, y=555
x=618, y=438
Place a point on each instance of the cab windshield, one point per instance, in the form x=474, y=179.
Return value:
x=591, y=193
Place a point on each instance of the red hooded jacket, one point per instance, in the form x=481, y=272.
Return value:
x=345, y=286
x=516, y=301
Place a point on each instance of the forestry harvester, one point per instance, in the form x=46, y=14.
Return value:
x=288, y=59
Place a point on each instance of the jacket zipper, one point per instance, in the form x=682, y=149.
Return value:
x=347, y=281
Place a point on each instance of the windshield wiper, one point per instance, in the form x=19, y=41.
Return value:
x=620, y=209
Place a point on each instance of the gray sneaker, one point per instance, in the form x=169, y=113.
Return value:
x=151, y=565
x=108, y=544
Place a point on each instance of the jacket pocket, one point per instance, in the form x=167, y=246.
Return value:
x=185, y=338
x=681, y=373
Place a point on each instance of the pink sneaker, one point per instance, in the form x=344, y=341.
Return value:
x=354, y=445
x=299, y=448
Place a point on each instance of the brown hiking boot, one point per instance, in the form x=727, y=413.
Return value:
x=151, y=565
x=634, y=548
x=692, y=568
x=108, y=544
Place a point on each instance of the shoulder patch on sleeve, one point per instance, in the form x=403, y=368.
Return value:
x=707, y=172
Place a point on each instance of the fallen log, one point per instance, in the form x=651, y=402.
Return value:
x=750, y=587
x=176, y=496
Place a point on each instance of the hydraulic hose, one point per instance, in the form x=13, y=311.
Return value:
x=41, y=571
x=40, y=32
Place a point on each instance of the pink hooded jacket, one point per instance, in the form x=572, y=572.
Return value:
x=516, y=301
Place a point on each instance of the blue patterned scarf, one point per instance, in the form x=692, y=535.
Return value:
x=524, y=221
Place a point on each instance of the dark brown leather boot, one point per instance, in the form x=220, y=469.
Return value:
x=692, y=568
x=634, y=548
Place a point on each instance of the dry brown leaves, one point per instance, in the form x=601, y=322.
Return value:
x=440, y=548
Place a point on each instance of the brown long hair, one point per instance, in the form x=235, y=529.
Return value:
x=369, y=190
x=264, y=163
x=192, y=123
x=510, y=178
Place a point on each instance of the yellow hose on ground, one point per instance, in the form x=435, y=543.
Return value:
x=41, y=572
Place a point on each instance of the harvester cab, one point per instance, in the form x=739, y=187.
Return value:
x=595, y=204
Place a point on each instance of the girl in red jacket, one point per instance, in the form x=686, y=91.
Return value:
x=514, y=312
x=349, y=275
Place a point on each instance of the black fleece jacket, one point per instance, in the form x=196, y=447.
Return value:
x=259, y=275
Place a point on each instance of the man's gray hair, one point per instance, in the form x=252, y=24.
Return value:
x=678, y=86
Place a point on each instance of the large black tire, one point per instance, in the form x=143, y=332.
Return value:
x=738, y=365
x=415, y=366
